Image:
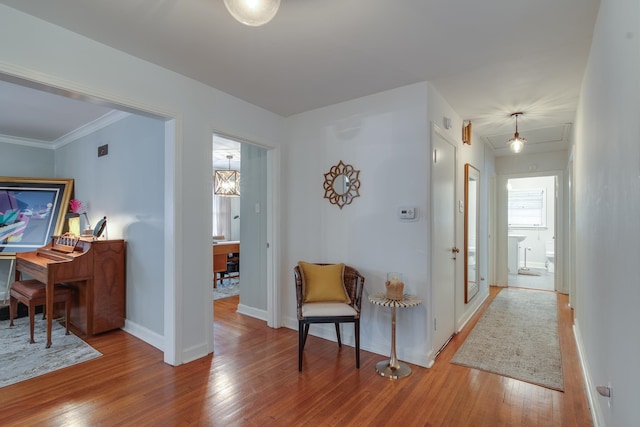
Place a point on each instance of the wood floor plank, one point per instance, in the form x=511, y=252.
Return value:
x=252, y=380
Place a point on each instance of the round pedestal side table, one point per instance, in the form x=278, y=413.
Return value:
x=393, y=368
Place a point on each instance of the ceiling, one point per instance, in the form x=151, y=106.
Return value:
x=487, y=58
x=222, y=148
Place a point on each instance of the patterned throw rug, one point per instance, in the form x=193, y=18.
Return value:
x=517, y=337
x=227, y=288
x=21, y=361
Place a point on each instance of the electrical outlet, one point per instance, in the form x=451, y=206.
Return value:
x=103, y=150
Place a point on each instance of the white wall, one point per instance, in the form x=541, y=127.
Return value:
x=126, y=186
x=25, y=161
x=48, y=54
x=253, y=232
x=607, y=193
x=387, y=137
x=384, y=136
x=532, y=164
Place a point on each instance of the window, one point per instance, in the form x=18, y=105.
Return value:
x=527, y=208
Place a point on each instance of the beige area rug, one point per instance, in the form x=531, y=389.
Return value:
x=21, y=361
x=517, y=337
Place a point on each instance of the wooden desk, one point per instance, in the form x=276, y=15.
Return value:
x=221, y=253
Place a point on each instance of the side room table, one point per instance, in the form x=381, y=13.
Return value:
x=393, y=368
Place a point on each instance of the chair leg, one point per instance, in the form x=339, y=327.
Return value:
x=32, y=316
x=357, y=333
x=301, y=339
x=338, y=334
x=67, y=314
x=13, y=309
x=306, y=332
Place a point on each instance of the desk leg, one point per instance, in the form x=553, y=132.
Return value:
x=393, y=369
x=49, y=309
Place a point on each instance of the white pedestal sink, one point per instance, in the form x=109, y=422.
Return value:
x=514, y=252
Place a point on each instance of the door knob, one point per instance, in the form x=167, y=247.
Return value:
x=455, y=250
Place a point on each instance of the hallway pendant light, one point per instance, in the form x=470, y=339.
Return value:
x=253, y=13
x=516, y=144
x=226, y=183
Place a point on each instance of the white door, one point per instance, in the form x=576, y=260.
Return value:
x=443, y=238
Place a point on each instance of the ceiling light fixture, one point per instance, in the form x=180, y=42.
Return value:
x=253, y=13
x=516, y=144
x=226, y=183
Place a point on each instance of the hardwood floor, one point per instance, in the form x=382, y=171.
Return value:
x=253, y=380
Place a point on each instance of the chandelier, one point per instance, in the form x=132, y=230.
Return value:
x=516, y=144
x=226, y=183
x=253, y=13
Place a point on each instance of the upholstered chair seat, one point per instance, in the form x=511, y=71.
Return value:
x=321, y=309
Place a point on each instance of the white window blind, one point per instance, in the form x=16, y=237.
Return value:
x=527, y=208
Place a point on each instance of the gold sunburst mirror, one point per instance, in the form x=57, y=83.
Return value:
x=341, y=184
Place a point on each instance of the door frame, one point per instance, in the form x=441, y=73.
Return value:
x=436, y=131
x=272, y=315
x=559, y=284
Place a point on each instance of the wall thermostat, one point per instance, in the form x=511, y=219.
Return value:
x=407, y=213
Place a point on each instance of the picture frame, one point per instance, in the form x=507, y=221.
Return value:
x=32, y=210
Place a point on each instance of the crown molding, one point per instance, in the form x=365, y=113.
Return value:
x=111, y=117
x=26, y=142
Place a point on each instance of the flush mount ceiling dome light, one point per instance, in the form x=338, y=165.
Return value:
x=516, y=144
x=253, y=13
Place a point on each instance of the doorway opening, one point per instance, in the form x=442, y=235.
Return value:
x=531, y=219
x=226, y=160
x=240, y=226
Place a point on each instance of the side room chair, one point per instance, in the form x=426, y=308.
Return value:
x=32, y=293
x=327, y=293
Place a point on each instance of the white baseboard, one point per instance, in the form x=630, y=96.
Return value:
x=328, y=332
x=592, y=395
x=463, y=321
x=252, y=312
x=146, y=335
x=530, y=264
x=157, y=340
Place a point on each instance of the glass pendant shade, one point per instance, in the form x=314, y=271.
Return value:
x=226, y=183
x=516, y=144
x=253, y=13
